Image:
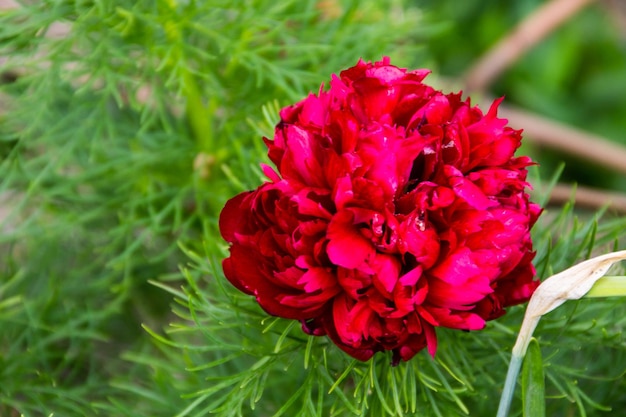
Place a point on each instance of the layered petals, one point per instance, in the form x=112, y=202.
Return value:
x=394, y=209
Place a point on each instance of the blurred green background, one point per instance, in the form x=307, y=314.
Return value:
x=125, y=126
x=575, y=75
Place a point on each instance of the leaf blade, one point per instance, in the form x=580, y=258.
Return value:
x=533, y=382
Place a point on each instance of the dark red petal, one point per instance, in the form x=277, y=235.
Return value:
x=233, y=216
x=431, y=339
x=231, y=272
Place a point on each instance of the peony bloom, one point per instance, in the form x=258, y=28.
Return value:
x=396, y=209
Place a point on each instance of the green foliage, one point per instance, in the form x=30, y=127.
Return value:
x=121, y=123
x=124, y=127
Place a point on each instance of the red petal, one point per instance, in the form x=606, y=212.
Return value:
x=457, y=319
x=471, y=193
x=270, y=173
x=431, y=339
x=232, y=216
x=238, y=280
x=346, y=245
x=387, y=269
x=317, y=279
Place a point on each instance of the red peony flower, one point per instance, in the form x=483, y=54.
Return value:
x=396, y=209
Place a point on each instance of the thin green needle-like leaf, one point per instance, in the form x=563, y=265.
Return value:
x=292, y=399
x=375, y=383
x=395, y=393
x=449, y=389
x=343, y=376
x=338, y=392
x=307, y=352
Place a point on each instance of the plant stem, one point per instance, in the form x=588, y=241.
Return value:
x=198, y=116
x=509, y=385
x=197, y=113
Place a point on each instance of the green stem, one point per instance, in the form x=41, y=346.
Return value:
x=198, y=115
x=608, y=286
x=509, y=385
